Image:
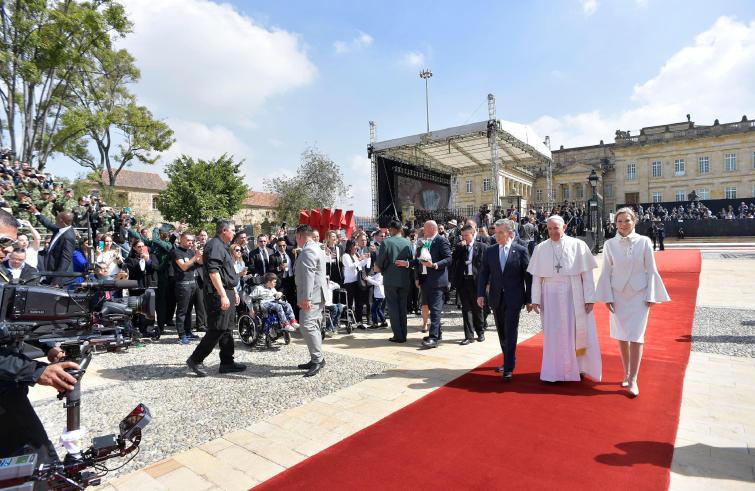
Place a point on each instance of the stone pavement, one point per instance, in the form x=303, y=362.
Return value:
x=715, y=447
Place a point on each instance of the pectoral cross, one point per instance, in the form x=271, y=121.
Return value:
x=558, y=268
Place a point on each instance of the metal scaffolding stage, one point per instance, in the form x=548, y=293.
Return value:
x=510, y=152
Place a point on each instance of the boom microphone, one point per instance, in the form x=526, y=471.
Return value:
x=109, y=284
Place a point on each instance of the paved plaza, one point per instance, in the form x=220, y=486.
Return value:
x=232, y=432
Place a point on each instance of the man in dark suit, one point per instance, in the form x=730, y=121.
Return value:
x=436, y=281
x=58, y=257
x=466, y=264
x=16, y=265
x=262, y=259
x=333, y=253
x=504, y=272
x=286, y=261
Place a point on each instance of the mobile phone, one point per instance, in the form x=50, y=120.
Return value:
x=102, y=244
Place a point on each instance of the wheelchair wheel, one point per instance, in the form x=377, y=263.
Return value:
x=349, y=329
x=247, y=330
x=286, y=337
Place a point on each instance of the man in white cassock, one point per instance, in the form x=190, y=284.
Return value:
x=563, y=293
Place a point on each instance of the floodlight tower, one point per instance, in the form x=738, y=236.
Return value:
x=373, y=168
x=549, y=176
x=493, y=143
x=426, y=74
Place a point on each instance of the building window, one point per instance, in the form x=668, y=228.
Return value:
x=730, y=162
x=731, y=192
x=470, y=210
x=154, y=201
x=486, y=185
x=657, y=168
x=679, y=167
x=703, y=164
x=703, y=193
x=657, y=197
x=631, y=171
x=539, y=195
x=608, y=189
x=565, y=193
x=469, y=186
x=580, y=192
x=680, y=196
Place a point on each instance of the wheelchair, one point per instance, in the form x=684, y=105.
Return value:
x=255, y=326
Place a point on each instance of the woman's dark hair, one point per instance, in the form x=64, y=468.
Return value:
x=269, y=277
x=350, y=244
x=133, y=253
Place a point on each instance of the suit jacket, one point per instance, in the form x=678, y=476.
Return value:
x=334, y=269
x=459, y=262
x=512, y=286
x=309, y=270
x=256, y=261
x=394, y=247
x=27, y=273
x=59, y=258
x=440, y=252
x=291, y=263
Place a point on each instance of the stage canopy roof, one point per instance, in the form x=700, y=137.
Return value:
x=467, y=148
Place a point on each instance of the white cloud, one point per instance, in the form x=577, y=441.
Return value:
x=589, y=7
x=363, y=40
x=712, y=78
x=413, y=59
x=198, y=140
x=205, y=61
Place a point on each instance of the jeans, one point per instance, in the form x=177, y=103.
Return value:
x=334, y=315
x=378, y=310
x=282, y=309
x=434, y=297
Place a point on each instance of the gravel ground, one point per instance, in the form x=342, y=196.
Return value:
x=187, y=411
x=725, y=331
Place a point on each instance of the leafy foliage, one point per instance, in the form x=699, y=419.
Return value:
x=318, y=183
x=201, y=192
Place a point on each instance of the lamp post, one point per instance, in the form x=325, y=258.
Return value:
x=595, y=214
x=426, y=74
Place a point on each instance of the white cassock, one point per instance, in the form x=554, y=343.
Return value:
x=562, y=283
x=629, y=279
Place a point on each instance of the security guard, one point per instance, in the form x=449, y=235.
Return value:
x=220, y=293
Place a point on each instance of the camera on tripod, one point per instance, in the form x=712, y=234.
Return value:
x=77, y=322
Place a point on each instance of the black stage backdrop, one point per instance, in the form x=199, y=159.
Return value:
x=399, y=183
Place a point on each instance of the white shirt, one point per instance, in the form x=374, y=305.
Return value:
x=15, y=273
x=32, y=256
x=470, y=254
x=352, y=267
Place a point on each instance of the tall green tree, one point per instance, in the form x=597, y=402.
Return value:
x=44, y=46
x=318, y=183
x=202, y=191
x=107, y=116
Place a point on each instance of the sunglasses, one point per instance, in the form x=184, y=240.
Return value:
x=237, y=250
x=6, y=241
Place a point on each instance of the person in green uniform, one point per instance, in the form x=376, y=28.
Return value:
x=395, y=278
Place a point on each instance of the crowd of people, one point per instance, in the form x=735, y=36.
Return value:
x=692, y=210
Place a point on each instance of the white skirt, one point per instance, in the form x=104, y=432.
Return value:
x=630, y=317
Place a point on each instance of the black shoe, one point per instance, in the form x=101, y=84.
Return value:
x=431, y=343
x=384, y=324
x=466, y=342
x=197, y=368
x=427, y=338
x=200, y=329
x=306, y=366
x=395, y=340
x=481, y=337
x=499, y=369
x=361, y=326
x=374, y=326
x=193, y=336
x=316, y=367
x=232, y=368
x=507, y=376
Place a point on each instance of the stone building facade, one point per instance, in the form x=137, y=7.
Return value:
x=662, y=164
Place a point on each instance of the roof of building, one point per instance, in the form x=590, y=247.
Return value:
x=134, y=179
x=260, y=199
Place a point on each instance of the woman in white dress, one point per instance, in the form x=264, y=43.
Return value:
x=629, y=284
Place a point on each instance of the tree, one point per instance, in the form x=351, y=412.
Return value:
x=201, y=192
x=106, y=115
x=318, y=183
x=44, y=46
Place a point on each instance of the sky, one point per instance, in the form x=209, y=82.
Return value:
x=264, y=80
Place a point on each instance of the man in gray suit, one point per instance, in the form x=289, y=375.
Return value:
x=311, y=284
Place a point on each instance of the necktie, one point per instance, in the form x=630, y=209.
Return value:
x=263, y=256
x=504, y=255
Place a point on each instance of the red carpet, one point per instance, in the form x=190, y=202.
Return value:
x=478, y=433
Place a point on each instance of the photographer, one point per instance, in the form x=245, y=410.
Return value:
x=20, y=427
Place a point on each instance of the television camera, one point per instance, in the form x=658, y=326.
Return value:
x=76, y=321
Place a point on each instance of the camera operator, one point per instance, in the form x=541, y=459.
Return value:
x=20, y=427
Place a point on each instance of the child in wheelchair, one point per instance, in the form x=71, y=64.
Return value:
x=271, y=301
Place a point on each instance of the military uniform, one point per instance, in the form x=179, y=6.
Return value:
x=80, y=216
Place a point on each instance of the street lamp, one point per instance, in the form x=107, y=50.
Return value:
x=425, y=74
x=595, y=215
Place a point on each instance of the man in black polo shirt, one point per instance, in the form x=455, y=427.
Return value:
x=186, y=261
x=222, y=279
